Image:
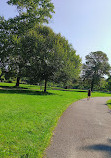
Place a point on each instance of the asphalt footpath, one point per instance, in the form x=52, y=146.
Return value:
x=83, y=131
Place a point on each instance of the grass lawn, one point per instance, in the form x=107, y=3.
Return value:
x=28, y=117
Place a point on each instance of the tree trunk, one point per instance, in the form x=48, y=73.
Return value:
x=0, y=77
x=45, y=85
x=18, y=81
x=92, y=84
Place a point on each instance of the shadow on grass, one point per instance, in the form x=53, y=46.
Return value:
x=25, y=156
x=71, y=90
x=102, y=92
x=81, y=91
x=26, y=92
x=12, y=87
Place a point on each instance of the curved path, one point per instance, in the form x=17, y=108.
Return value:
x=83, y=131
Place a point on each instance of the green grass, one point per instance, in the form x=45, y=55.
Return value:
x=109, y=104
x=28, y=117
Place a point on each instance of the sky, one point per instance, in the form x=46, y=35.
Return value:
x=86, y=24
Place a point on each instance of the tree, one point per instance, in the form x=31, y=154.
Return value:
x=71, y=65
x=46, y=54
x=109, y=83
x=52, y=57
x=31, y=13
x=95, y=68
x=34, y=11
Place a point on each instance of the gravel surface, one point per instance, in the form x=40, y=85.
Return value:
x=83, y=131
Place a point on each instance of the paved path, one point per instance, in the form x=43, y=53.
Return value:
x=83, y=131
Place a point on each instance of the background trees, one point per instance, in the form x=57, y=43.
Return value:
x=95, y=68
x=109, y=83
x=31, y=50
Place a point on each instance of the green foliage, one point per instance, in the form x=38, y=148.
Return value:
x=35, y=51
x=95, y=68
x=109, y=104
x=48, y=56
x=33, y=11
x=70, y=65
x=109, y=83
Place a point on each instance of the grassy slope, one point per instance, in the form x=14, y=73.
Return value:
x=28, y=117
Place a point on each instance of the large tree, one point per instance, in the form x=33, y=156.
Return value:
x=31, y=13
x=52, y=57
x=95, y=68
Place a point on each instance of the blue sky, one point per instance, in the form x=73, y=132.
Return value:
x=86, y=24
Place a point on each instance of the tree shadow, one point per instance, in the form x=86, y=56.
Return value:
x=24, y=91
x=108, y=103
x=71, y=90
x=81, y=91
x=12, y=87
x=100, y=148
x=105, y=92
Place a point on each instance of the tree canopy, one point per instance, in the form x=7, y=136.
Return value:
x=50, y=56
x=95, y=68
x=31, y=13
x=38, y=54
